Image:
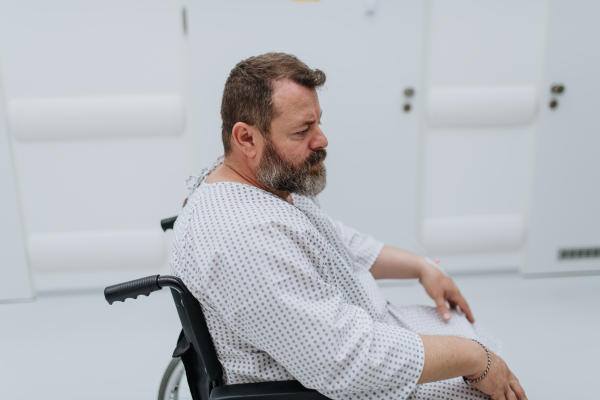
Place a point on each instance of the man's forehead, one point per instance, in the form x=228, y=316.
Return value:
x=295, y=99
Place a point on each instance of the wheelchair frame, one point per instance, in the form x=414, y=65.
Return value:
x=195, y=346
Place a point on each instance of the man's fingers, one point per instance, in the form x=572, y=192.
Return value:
x=453, y=305
x=462, y=303
x=511, y=395
x=442, y=308
x=519, y=392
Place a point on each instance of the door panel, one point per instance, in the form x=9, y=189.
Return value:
x=98, y=117
x=483, y=63
x=564, y=234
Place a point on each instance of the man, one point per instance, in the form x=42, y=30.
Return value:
x=287, y=292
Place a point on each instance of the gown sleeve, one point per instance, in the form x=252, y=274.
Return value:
x=274, y=294
x=362, y=249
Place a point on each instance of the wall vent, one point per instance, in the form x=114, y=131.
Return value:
x=569, y=254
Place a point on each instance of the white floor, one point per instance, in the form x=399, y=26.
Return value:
x=77, y=346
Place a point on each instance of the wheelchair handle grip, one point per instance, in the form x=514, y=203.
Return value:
x=168, y=223
x=132, y=289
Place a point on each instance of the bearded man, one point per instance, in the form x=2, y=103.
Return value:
x=287, y=292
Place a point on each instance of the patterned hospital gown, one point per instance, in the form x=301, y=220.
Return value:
x=287, y=294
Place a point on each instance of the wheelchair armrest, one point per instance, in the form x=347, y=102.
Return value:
x=279, y=390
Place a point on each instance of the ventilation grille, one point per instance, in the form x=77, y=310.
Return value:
x=569, y=254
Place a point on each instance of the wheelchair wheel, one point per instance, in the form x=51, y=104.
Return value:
x=174, y=384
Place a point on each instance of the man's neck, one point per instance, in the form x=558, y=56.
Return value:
x=233, y=171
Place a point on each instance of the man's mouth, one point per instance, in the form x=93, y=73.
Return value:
x=318, y=157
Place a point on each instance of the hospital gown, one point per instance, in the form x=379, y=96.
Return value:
x=287, y=294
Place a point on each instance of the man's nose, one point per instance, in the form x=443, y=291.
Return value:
x=319, y=141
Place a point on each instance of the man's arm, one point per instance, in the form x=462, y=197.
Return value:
x=394, y=263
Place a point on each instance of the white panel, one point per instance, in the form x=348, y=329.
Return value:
x=481, y=106
x=109, y=72
x=70, y=48
x=97, y=250
x=15, y=282
x=474, y=42
x=565, y=204
x=474, y=172
x=459, y=263
x=95, y=117
x=474, y=234
x=81, y=280
x=483, y=67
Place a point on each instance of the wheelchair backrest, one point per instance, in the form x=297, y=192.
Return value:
x=203, y=369
x=199, y=357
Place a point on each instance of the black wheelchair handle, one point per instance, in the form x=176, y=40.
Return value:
x=145, y=286
x=168, y=223
x=131, y=289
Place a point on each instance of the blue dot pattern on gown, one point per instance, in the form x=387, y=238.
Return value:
x=287, y=294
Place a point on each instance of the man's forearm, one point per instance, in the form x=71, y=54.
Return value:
x=394, y=263
x=447, y=357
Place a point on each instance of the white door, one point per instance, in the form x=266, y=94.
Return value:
x=564, y=228
x=482, y=83
x=96, y=109
x=370, y=56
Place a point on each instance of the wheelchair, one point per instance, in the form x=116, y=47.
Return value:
x=195, y=357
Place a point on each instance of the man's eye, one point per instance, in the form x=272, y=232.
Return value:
x=303, y=132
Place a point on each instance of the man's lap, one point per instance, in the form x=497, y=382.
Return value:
x=426, y=320
x=451, y=389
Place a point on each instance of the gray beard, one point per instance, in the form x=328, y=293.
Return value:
x=277, y=173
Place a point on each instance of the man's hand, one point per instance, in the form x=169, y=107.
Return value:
x=442, y=289
x=394, y=263
x=500, y=382
x=450, y=356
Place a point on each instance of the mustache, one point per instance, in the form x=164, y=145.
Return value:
x=316, y=156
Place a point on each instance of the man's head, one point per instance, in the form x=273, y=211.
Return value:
x=271, y=116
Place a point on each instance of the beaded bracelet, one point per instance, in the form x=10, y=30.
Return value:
x=488, y=367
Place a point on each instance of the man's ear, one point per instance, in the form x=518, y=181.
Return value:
x=245, y=138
